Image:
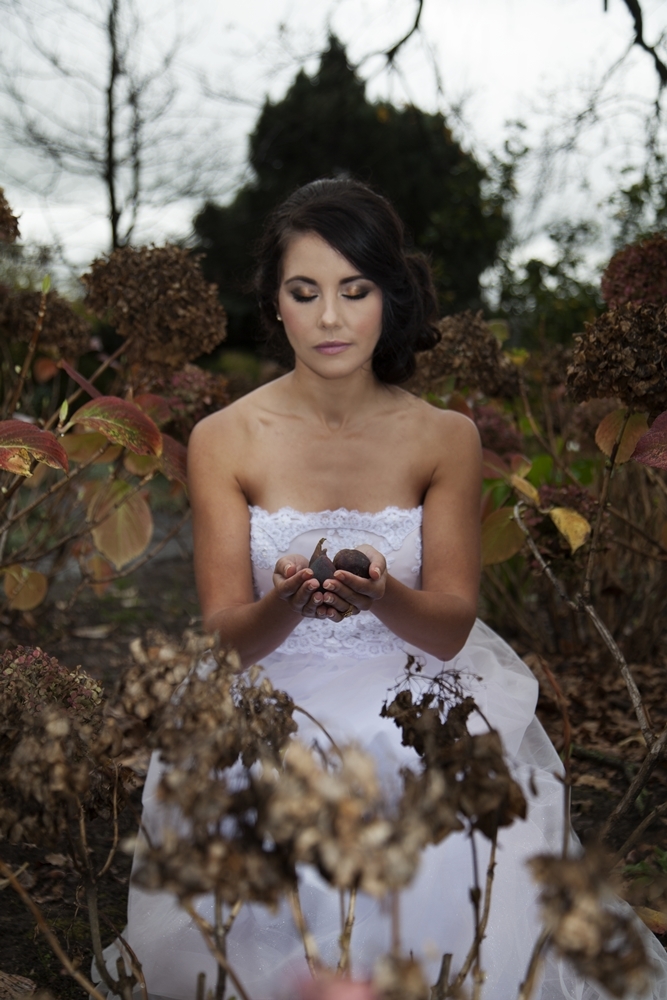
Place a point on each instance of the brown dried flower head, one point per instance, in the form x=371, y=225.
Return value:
x=398, y=978
x=623, y=355
x=65, y=333
x=587, y=927
x=49, y=717
x=191, y=392
x=637, y=273
x=9, y=224
x=468, y=351
x=158, y=299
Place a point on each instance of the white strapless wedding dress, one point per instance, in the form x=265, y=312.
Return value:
x=341, y=674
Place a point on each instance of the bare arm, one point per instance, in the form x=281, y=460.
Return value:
x=437, y=618
x=221, y=525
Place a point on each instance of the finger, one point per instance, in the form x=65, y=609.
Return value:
x=307, y=594
x=336, y=602
x=352, y=588
x=288, y=565
x=287, y=588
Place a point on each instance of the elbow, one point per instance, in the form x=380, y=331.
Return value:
x=457, y=636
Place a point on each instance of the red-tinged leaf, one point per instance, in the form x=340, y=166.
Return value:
x=25, y=588
x=22, y=443
x=100, y=569
x=140, y=465
x=651, y=449
x=127, y=527
x=458, y=402
x=174, y=460
x=43, y=370
x=81, y=448
x=493, y=466
x=502, y=537
x=157, y=407
x=80, y=380
x=610, y=427
x=121, y=422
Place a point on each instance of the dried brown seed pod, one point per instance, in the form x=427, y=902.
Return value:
x=353, y=561
x=322, y=567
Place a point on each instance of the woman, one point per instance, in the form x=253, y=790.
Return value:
x=337, y=449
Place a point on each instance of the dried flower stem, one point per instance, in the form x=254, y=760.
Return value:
x=654, y=754
x=395, y=925
x=9, y=409
x=309, y=943
x=208, y=935
x=602, y=504
x=96, y=374
x=41, y=922
x=439, y=989
x=346, y=936
x=480, y=927
x=528, y=985
x=580, y=604
x=297, y=708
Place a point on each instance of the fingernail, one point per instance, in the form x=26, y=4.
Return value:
x=328, y=598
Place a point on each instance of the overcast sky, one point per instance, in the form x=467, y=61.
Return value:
x=502, y=59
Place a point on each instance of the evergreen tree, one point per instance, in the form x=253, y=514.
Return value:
x=325, y=126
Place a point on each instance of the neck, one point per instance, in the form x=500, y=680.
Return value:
x=335, y=403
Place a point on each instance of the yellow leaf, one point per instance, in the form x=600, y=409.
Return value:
x=573, y=526
x=655, y=920
x=100, y=569
x=526, y=489
x=25, y=588
x=126, y=522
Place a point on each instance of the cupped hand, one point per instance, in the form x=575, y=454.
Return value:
x=295, y=584
x=360, y=593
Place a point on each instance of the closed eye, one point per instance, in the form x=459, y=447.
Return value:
x=299, y=297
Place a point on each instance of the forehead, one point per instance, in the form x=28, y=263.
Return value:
x=307, y=255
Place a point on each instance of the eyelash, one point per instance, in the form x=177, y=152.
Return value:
x=311, y=298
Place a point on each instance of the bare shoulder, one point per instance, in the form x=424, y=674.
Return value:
x=231, y=426
x=443, y=432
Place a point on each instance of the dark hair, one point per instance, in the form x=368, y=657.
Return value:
x=362, y=226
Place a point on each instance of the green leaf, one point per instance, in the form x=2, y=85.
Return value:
x=46, y=283
x=126, y=530
x=502, y=537
x=21, y=444
x=81, y=448
x=610, y=427
x=121, y=422
x=63, y=411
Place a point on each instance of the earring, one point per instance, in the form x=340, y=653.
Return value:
x=279, y=317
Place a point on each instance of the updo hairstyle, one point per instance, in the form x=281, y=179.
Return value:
x=362, y=226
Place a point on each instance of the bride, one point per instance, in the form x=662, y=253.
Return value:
x=337, y=449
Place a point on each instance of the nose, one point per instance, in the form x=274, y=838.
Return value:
x=330, y=316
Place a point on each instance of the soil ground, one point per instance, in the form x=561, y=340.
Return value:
x=96, y=633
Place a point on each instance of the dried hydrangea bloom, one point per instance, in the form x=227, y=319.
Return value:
x=158, y=297
x=497, y=431
x=49, y=718
x=586, y=925
x=9, y=224
x=468, y=351
x=191, y=392
x=549, y=366
x=623, y=354
x=65, y=333
x=637, y=273
x=397, y=978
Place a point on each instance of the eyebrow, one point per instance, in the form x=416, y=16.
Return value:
x=311, y=281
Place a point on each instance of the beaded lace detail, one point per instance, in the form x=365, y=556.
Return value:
x=363, y=635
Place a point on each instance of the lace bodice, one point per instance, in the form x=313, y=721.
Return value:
x=394, y=531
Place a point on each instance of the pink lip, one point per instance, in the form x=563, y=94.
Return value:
x=331, y=347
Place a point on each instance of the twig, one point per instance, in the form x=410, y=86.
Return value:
x=207, y=934
x=395, y=925
x=105, y=867
x=567, y=759
x=60, y=954
x=439, y=988
x=32, y=347
x=602, y=504
x=580, y=604
x=346, y=936
x=637, y=832
x=619, y=515
x=650, y=760
x=585, y=753
x=297, y=708
x=528, y=985
x=480, y=930
x=309, y=944
x=391, y=53
x=96, y=374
